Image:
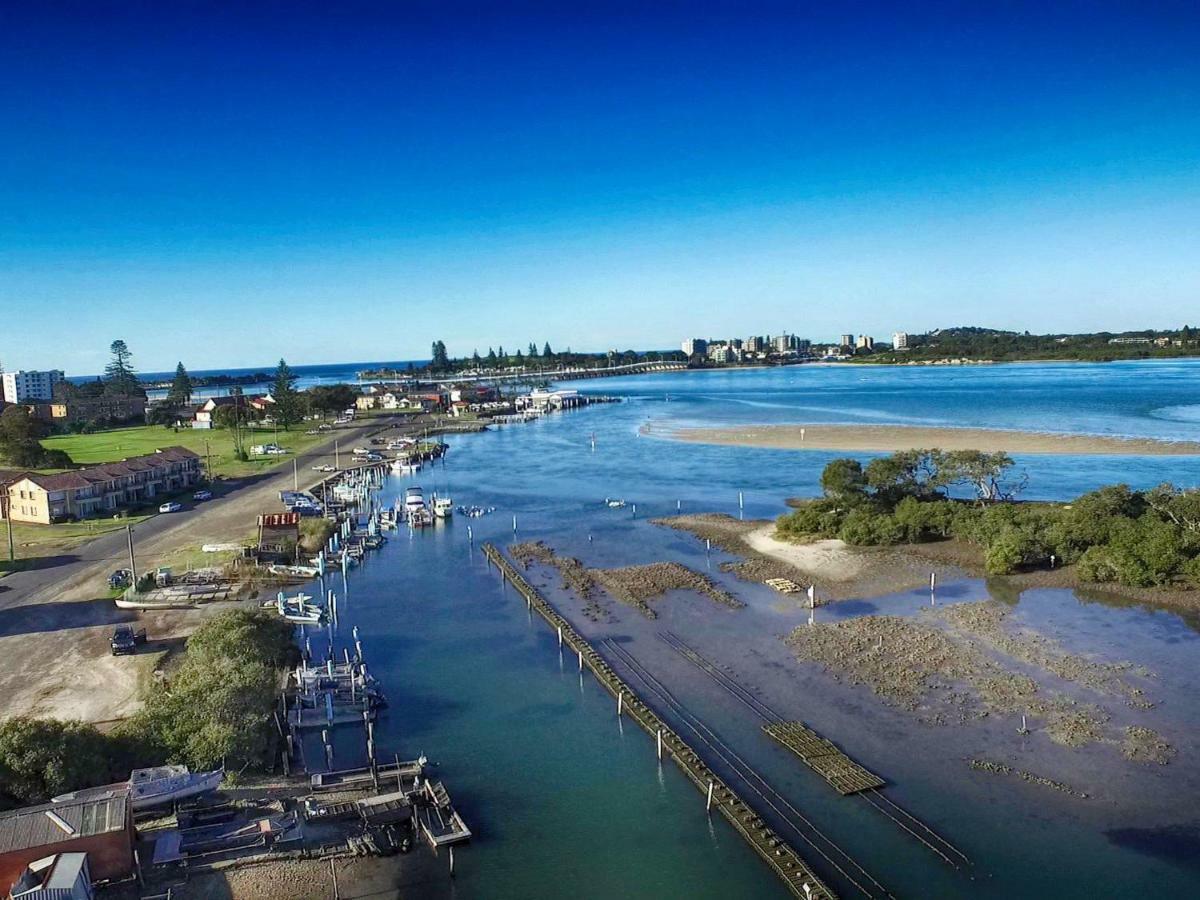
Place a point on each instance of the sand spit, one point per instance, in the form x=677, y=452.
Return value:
x=891, y=438
x=960, y=663
x=838, y=570
x=635, y=585
x=996, y=768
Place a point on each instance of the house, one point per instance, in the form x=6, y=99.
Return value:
x=366, y=401
x=204, y=413
x=278, y=535
x=65, y=876
x=101, y=827
x=101, y=490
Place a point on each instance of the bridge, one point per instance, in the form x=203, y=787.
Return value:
x=574, y=373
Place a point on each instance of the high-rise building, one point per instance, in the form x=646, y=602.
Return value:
x=692, y=346
x=865, y=342
x=847, y=340
x=781, y=343
x=753, y=344
x=27, y=387
x=900, y=340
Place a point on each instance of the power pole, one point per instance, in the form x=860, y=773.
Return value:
x=7, y=504
x=132, y=563
x=295, y=474
x=208, y=462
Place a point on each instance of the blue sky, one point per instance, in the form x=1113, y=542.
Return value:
x=352, y=181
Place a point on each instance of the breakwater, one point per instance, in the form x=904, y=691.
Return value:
x=782, y=858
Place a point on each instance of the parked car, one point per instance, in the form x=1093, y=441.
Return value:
x=277, y=451
x=325, y=468
x=170, y=507
x=202, y=495
x=125, y=639
x=121, y=578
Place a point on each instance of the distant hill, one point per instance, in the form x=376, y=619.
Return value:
x=975, y=342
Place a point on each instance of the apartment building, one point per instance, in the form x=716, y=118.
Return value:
x=100, y=490
x=30, y=387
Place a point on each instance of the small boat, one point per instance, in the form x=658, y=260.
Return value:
x=614, y=504
x=294, y=571
x=443, y=507
x=153, y=787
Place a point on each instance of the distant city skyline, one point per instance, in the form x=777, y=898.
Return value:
x=228, y=189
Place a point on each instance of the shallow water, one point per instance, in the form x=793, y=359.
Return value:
x=567, y=802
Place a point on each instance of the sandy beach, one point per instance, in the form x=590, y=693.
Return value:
x=890, y=438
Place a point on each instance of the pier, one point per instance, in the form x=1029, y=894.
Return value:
x=795, y=873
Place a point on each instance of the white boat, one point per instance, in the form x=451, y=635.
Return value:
x=294, y=571
x=614, y=504
x=443, y=507
x=299, y=610
x=154, y=787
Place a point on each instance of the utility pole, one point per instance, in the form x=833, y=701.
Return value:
x=6, y=502
x=132, y=563
x=295, y=474
x=336, y=463
x=208, y=461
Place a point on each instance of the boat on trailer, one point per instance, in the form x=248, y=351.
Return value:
x=152, y=787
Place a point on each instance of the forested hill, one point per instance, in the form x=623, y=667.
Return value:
x=990, y=344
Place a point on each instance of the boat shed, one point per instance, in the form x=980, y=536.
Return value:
x=62, y=877
x=101, y=827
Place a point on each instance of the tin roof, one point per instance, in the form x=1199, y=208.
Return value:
x=53, y=823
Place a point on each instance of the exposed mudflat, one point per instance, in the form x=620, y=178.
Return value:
x=964, y=662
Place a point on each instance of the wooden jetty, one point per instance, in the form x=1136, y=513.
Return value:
x=783, y=859
x=824, y=758
x=362, y=778
x=441, y=825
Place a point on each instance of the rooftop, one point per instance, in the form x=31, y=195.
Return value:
x=81, y=478
x=53, y=823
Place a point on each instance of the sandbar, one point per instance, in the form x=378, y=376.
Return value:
x=891, y=438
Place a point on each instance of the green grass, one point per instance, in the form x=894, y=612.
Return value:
x=119, y=443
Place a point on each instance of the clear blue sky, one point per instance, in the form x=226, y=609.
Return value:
x=351, y=181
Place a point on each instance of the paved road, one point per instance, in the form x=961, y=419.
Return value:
x=81, y=572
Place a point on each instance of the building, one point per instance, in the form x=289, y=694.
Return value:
x=204, y=414
x=847, y=340
x=98, y=409
x=62, y=877
x=753, y=345
x=30, y=387
x=900, y=340
x=103, y=489
x=539, y=399
x=865, y=342
x=781, y=343
x=694, y=346
x=101, y=827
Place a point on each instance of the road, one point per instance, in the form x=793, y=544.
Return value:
x=55, y=619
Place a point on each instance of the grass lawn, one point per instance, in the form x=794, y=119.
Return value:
x=34, y=541
x=119, y=443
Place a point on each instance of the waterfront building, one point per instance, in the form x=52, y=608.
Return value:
x=694, y=346
x=900, y=340
x=753, y=345
x=30, y=387
x=781, y=343
x=100, y=827
x=847, y=340
x=865, y=342
x=102, y=489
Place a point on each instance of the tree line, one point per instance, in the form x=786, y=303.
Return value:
x=1114, y=534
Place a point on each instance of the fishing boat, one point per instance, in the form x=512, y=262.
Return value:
x=613, y=503
x=153, y=787
x=443, y=507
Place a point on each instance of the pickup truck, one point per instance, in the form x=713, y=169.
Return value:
x=125, y=639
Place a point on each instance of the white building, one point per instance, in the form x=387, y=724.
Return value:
x=900, y=340
x=865, y=342
x=31, y=387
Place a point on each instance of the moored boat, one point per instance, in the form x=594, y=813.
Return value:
x=154, y=787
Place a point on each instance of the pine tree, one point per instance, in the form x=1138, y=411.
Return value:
x=532, y=349
x=491, y=358
x=546, y=351
x=287, y=410
x=181, y=388
x=119, y=376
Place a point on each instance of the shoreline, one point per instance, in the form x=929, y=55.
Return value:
x=893, y=438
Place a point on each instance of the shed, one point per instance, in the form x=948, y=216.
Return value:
x=62, y=877
x=101, y=827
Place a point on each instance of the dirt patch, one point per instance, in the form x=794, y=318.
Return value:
x=838, y=570
x=995, y=768
x=575, y=576
x=635, y=585
x=961, y=663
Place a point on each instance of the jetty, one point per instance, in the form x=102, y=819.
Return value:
x=783, y=859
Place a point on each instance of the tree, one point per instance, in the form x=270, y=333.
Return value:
x=476, y=361
x=491, y=358
x=439, y=361
x=843, y=479
x=983, y=472
x=331, y=398
x=119, y=376
x=162, y=414
x=532, y=350
x=547, y=352
x=181, y=388
x=289, y=405
x=908, y=473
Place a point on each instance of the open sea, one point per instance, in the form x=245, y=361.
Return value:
x=566, y=800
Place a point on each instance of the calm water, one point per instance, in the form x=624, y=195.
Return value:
x=567, y=803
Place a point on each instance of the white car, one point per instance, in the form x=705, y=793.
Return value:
x=277, y=451
x=202, y=495
x=325, y=468
x=170, y=507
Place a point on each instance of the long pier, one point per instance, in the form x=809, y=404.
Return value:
x=573, y=373
x=795, y=873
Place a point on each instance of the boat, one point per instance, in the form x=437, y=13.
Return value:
x=294, y=571
x=475, y=512
x=153, y=787
x=614, y=504
x=299, y=609
x=443, y=507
